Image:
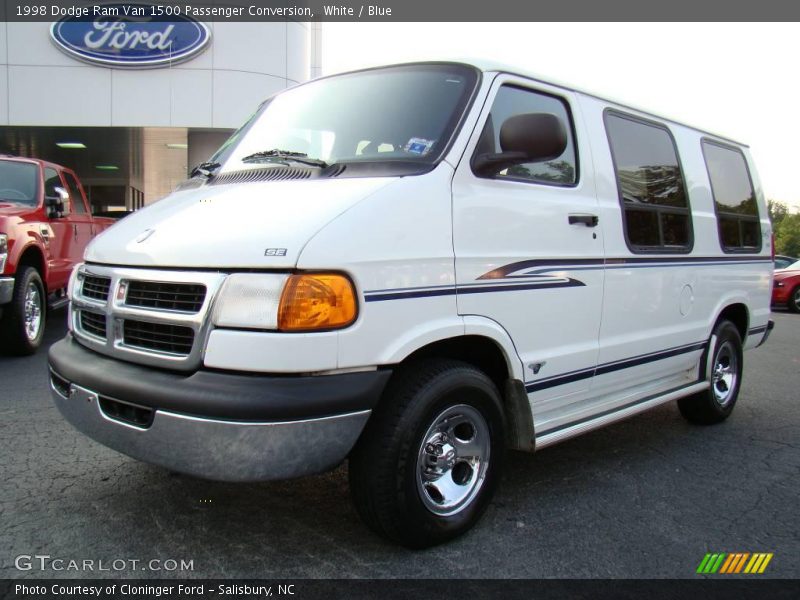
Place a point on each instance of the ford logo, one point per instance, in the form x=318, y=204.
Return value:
x=128, y=41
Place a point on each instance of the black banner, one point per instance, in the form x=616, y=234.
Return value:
x=407, y=10
x=741, y=588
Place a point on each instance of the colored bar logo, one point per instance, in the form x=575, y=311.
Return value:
x=734, y=563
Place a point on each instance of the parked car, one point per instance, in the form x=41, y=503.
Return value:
x=786, y=287
x=45, y=225
x=782, y=262
x=416, y=267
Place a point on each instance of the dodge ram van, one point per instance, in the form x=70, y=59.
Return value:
x=415, y=268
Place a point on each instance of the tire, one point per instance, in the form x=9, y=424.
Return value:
x=22, y=326
x=409, y=481
x=715, y=404
x=793, y=303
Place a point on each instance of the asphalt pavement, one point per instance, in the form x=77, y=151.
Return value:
x=648, y=497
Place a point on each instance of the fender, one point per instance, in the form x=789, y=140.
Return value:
x=485, y=327
x=22, y=245
x=420, y=336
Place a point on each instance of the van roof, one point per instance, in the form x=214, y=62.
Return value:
x=488, y=66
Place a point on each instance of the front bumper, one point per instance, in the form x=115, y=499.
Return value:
x=6, y=289
x=214, y=425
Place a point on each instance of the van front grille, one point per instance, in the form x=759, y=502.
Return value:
x=95, y=287
x=93, y=324
x=158, y=337
x=155, y=317
x=183, y=297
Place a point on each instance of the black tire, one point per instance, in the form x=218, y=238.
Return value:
x=793, y=303
x=386, y=466
x=13, y=331
x=715, y=404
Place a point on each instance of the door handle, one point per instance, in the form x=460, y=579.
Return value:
x=75, y=231
x=587, y=220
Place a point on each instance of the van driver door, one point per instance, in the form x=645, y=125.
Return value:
x=529, y=250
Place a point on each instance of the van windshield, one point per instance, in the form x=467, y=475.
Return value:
x=18, y=182
x=405, y=114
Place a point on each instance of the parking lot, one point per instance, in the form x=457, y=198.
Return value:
x=644, y=498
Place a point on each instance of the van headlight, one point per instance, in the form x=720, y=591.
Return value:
x=3, y=251
x=279, y=302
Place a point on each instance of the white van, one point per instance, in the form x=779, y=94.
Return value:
x=416, y=267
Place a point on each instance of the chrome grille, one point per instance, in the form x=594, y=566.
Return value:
x=93, y=324
x=159, y=337
x=185, y=297
x=155, y=317
x=96, y=287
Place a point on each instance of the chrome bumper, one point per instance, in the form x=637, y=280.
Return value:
x=217, y=449
x=6, y=289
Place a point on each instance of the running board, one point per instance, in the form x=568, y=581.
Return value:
x=568, y=431
x=57, y=303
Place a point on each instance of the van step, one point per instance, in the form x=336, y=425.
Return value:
x=57, y=300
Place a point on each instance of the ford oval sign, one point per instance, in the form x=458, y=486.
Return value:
x=131, y=42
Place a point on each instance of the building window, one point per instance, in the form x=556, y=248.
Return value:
x=655, y=205
x=511, y=101
x=734, y=198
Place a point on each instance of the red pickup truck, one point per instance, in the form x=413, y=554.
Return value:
x=45, y=225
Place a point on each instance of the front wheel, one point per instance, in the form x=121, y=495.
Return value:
x=429, y=460
x=715, y=404
x=22, y=327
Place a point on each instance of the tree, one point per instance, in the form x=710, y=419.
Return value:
x=787, y=235
x=777, y=211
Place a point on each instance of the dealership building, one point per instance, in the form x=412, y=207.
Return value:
x=131, y=105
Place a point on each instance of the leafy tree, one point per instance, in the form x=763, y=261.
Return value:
x=777, y=211
x=787, y=235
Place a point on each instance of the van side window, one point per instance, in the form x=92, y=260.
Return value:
x=734, y=198
x=511, y=101
x=655, y=205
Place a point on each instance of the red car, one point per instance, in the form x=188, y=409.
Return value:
x=45, y=225
x=786, y=287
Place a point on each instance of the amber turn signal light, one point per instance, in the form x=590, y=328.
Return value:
x=312, y=301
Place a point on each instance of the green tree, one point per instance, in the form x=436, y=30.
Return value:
x=777, y=211
x=787, y=235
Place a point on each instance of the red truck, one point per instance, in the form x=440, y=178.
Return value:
x=45, y=225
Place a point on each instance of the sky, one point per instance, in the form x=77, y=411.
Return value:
x=739, y=80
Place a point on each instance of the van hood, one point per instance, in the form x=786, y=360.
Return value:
x=253, y=225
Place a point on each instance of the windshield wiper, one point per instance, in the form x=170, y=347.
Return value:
x=284, y=156
x=206, y=169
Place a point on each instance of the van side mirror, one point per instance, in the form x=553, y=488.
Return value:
x=531, y=137
x=58, y=206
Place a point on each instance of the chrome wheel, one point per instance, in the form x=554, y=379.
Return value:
x=452, y=460
x=725, y=373
x=796, y=299
x=33, y=311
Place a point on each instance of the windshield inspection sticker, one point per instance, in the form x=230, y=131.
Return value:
x=419, y=146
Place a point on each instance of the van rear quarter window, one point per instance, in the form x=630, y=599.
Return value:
x=734, y=198
x=655, y=205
